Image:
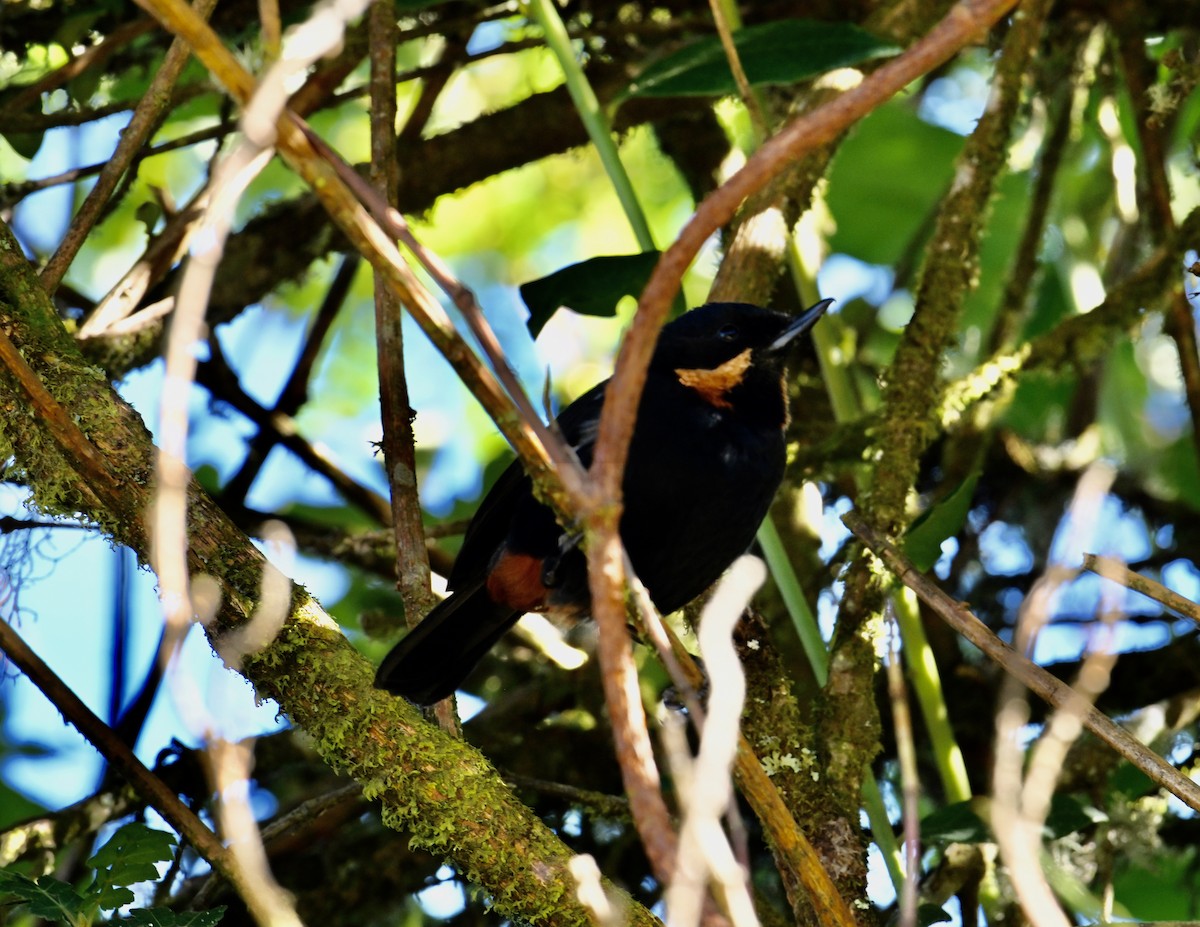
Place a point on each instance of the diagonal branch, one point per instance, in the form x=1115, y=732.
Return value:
x=1047, y=687
x=121, y=757
x=311, y=670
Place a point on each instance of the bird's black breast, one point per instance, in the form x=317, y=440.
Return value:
x=697, y=484
x=696, y=489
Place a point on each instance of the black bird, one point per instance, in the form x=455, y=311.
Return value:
x=706, y=458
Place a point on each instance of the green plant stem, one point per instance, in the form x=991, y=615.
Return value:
x=881, y=831
x=827, y=339
x=594, y=119
x=788, y=584
x=927, y=684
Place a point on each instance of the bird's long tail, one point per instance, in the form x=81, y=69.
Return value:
x=436, y=656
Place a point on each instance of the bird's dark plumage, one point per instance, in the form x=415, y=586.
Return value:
x=706, y=458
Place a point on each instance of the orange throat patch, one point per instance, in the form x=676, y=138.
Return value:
x=713, y=384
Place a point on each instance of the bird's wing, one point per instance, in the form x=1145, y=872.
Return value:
x=492, y=521
x=488, y=527
x=579, y=421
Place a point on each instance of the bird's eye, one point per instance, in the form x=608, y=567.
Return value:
x=728, y=333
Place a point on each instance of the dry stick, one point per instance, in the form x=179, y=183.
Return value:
x=799, y=865
x=1117, y=571
x=156, y=792
x=910, y=780
x=788, y=840
x=365, y=235
x=412, y=564
x=1053, y=691
x=964, y=22
x=399, y=452
x=145, y=118
x=13, y=192
x=393, y=222
x=745, y=90
x=162, y=253
x=1020, y=799
x=295, y=391
x=605, y=574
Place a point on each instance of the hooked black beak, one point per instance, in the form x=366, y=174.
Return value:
x=802, y=323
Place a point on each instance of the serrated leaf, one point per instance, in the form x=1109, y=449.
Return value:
x=957, y=823
x=591, y=287
x=781, y=52
x=923, y=542
x=164, y=917
x=130, y=856
x=48, y=897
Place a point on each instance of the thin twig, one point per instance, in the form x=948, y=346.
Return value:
x=399, y=453
x=164, y=252
x=727, y=19
x=964, y=23
x=1022, y=800
x=910, y=786
x=146, y=117
x=95, y=56
x=216, y=375
x=706, y=791
x=1118, y=572
x=1041, y=683
x=294, y=393
x=119, y=755
x=631, y=737
x=168, y=521
x=398, y=446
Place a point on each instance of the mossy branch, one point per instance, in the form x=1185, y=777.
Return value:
x=441, y=790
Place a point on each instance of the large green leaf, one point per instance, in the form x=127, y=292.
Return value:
x=780, y=52
x=923, y=543
x=956, y=823
x=130, y=856
x=885, y=183
x=591, y=287
x=48, y=897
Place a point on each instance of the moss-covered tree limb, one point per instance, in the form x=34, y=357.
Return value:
x=441, y=790
x=848, y=726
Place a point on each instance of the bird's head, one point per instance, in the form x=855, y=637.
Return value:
x=723, y=350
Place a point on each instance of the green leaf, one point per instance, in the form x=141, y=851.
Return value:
x=164, y=917
x=877, y=217
x=923, y=543
x=930, y=914
x=957, y=823
x=48, y=898
x=26, y=144
x=1069, y=815
x=780, y=52
x=130, y=856
x=591, y=287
